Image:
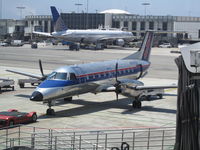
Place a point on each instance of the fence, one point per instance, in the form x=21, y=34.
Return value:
x=62, y=139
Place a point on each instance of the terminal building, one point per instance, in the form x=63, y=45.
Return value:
x=23, y=29
x=181, y=27
x=10, y=28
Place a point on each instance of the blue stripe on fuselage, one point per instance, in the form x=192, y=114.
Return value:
x=55, y=83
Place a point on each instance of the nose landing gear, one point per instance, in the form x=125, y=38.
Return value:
x=50, y=111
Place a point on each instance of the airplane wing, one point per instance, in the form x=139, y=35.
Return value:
x=134, y=89
x=43, y=33
x=25, y=74
x=112, y=88
x=5, y=79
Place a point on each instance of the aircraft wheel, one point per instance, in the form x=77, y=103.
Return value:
x=50, y=112
x=21, y=85
x=148, y=97
x=68, y=99
x=34, y=118
x=139, y=104
x=134, y=104
x=160, y=96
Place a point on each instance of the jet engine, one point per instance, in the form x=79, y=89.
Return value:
x=119, y=42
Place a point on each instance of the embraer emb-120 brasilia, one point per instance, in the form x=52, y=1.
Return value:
x=119, y=76
x=97, y=37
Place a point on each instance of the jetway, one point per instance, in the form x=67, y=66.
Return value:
x=188, y=101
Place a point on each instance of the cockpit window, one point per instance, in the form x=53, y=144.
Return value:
x=61, y=76
x=51, y=76
x=57, y=76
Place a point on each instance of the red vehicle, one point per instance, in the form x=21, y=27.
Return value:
x=13, y=117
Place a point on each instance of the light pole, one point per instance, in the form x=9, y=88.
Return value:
x=145, y=5
x=1, y=9
x=87, y=15
x=20, y=9
x=78, y=4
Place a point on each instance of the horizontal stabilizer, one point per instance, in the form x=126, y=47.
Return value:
x=153, y=87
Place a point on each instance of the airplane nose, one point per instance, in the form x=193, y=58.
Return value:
x=36, y=96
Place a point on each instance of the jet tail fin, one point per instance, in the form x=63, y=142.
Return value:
x=59, y=24
x=144, y=52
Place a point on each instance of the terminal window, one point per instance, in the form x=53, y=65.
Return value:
x=134, y=25
x=151, y=25
x=142, y=25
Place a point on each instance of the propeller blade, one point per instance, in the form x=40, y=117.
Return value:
x=41, y=69
x=116, y=72
x=117, y=96
x=117, y=84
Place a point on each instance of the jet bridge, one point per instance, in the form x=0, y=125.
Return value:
x=188, y=101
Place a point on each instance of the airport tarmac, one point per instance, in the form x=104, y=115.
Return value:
x=90, y=111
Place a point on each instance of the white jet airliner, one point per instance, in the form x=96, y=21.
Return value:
x=94, y=36
x=119, y=76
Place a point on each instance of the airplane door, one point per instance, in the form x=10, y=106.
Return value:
x=79, y=71
x=110, y=74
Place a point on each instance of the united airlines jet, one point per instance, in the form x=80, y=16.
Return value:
x=95, y=36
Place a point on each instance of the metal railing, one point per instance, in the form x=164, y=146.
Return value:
x=62, y=139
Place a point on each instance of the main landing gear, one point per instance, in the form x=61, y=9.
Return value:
x=136, y=103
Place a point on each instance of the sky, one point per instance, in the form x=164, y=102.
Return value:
x=156, y=7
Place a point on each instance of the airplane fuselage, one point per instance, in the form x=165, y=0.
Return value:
x=92, y=36
x=74, y=80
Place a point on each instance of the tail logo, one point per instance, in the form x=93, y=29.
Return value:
x=147, y=47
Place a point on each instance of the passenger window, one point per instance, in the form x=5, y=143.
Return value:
x=73, y=76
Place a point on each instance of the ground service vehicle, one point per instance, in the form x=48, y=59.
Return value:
x=165, y=45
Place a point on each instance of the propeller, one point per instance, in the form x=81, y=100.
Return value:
x=41, y=69
x=117, y=84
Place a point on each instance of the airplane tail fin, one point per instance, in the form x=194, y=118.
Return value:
x=59, y=24
x=144, y=52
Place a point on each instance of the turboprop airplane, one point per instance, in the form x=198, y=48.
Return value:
x=89, y=36
x=119, y=76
